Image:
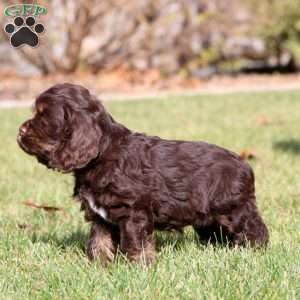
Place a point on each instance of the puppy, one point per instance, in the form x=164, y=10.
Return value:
x=130, y=184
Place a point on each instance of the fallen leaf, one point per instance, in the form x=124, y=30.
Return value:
x=24, y=226
x=47, y=208
x=248, y=154
x=263, y=121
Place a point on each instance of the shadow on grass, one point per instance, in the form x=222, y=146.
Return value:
x=291, y=145
x=76, y=239
x=179, y=240
x=170, y=239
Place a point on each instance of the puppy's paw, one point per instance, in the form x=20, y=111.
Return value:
x=145, y=257
x=100, y=245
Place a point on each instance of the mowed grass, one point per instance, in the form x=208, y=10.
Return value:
x=42, y=254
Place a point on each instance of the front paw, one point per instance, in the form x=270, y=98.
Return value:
x=92, y=249
x=100, y=245
x=145, y=257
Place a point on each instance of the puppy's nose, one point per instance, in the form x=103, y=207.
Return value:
x=22, y=130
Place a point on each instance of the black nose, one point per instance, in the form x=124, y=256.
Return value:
x=22, y=130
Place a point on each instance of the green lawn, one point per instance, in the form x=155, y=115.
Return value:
x=42, y=254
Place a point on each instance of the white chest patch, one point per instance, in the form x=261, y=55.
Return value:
x=101, y=211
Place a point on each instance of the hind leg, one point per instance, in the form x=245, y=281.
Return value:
x=245, y=225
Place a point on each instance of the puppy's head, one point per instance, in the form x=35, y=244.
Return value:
x=65, y=131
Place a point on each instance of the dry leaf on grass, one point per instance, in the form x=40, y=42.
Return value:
x=248, y=154
x=47, y=208
x=263, y=121
x=24, y=226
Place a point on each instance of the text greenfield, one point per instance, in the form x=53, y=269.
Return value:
x=24, y=10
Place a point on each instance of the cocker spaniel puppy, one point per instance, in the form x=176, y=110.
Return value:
x=130, y=184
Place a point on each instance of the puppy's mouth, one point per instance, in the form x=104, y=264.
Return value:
x=28, y=145
x=41, y=157
x=45, y=162
x=21, y=143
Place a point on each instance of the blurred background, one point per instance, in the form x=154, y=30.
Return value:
x=156, y=45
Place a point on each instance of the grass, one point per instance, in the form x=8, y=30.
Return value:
x=42, y=254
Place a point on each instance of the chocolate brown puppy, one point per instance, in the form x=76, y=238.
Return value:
x=130, y=184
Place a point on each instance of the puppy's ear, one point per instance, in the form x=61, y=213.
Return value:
x=80, y=141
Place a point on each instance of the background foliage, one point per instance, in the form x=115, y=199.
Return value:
x=192, y=37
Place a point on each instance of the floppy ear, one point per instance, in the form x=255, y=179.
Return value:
x=80, y=142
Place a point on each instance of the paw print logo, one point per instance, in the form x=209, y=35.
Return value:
x=24, y=32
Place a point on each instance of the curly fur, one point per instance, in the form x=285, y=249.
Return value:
x=143, y=182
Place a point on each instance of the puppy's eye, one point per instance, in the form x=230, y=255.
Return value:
x=41, y=112
x=39, y=109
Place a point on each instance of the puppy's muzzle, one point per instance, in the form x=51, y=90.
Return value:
x=23, y=130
